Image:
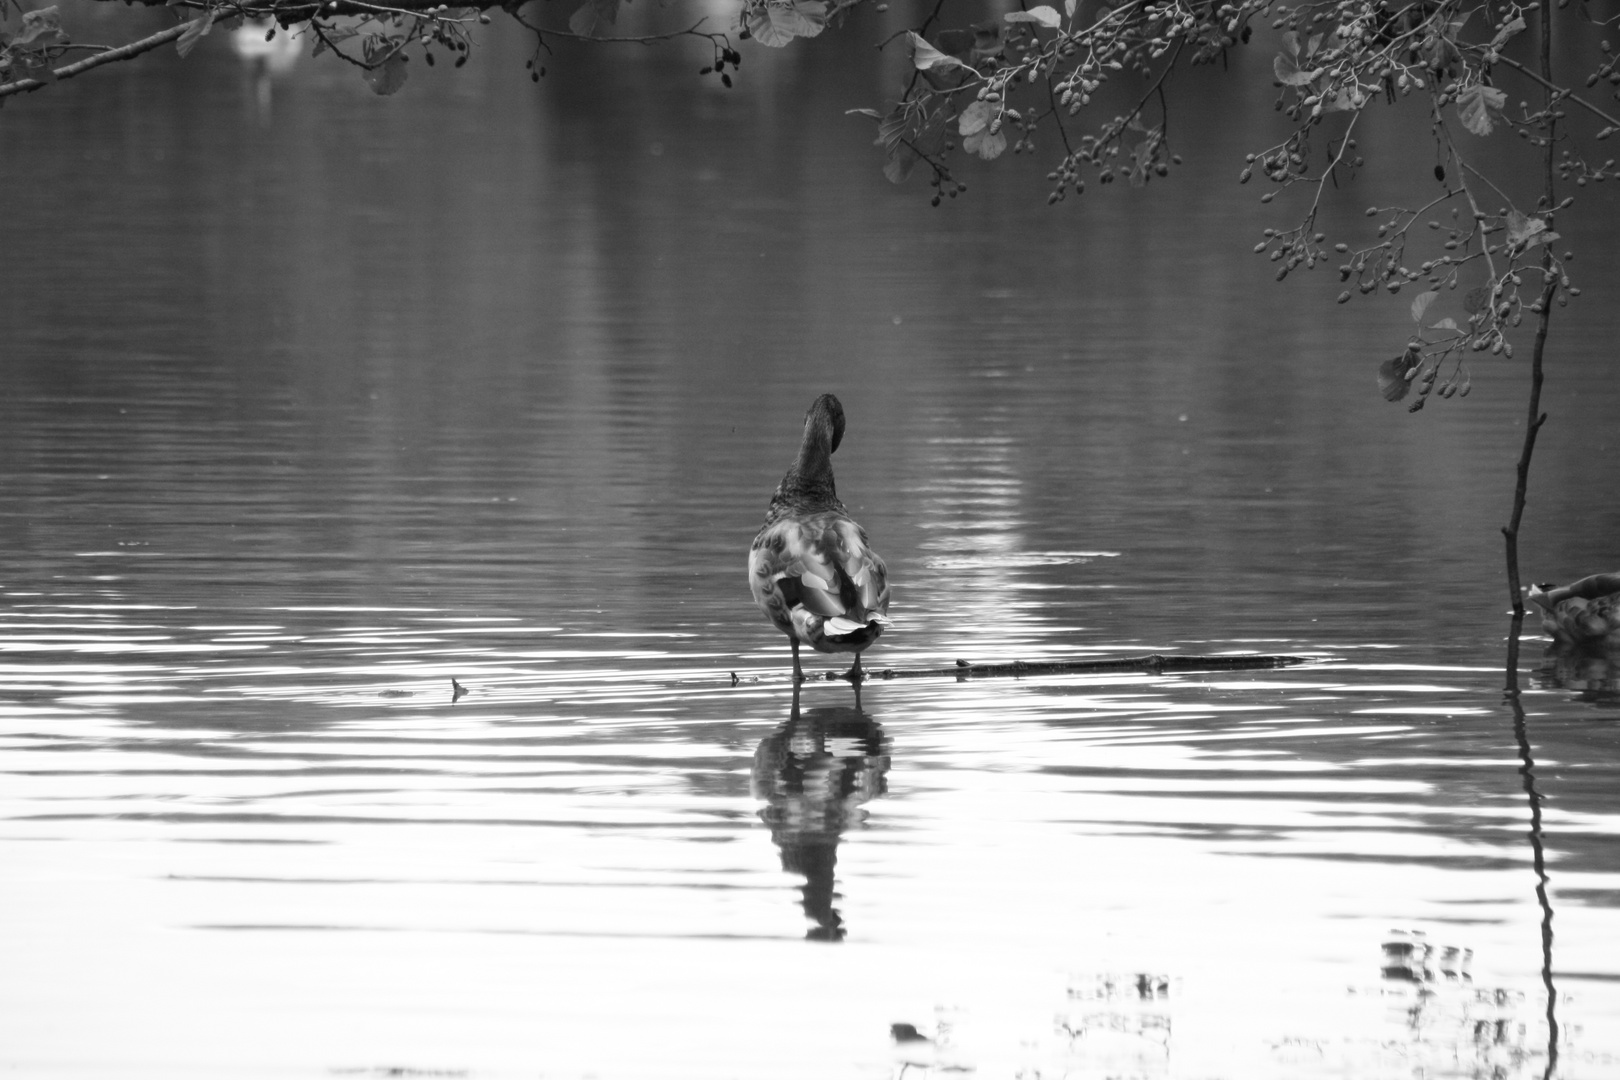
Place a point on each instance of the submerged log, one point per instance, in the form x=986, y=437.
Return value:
x=1154, y=663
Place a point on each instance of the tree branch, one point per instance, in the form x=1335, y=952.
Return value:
x=122, y=52
x=1562, y=93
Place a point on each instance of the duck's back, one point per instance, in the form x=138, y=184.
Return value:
x=815, y=575
x=1584, y=612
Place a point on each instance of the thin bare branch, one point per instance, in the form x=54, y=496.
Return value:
x=110, y=56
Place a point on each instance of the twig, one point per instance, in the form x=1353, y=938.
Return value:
x=123, y=52
x=1562, y=93
x=1550, y=284
x=1153, y=664
x=1057, y=118
x=1169, y=68
x=332, y=46
x=645, y=39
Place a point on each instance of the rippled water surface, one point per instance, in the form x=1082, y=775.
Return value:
x=380, y=692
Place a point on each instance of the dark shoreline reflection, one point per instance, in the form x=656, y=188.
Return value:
x=814, y=773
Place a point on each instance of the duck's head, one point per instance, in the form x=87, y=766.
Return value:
x=826, y=414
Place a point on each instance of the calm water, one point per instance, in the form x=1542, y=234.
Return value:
x=316, y=401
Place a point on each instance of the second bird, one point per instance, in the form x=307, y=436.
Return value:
x=811, y=569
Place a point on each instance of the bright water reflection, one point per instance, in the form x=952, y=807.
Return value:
x=1315, y=871
x=470, y=385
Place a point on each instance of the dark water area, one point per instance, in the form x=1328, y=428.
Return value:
x=316, y=401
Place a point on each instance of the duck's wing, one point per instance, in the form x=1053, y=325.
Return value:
x=823, y=566
x=1594, y=587
x=860, y=567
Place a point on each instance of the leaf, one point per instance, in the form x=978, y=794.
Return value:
x=42, y=27
x=1540, y=238
x=1521, y=228
x=1479, y=107
x=593, y=17
x=892, y=129
x=975, y=118
x=26, y=64
x=899, y=164
x=987, y=145
x=1475, y=299
x=1068, y=7
x=336, y=35
x=1508, y=31
x=1420, y=304
x=1290, y=40
x=925, y=56
x=1446, y=324
x=1045, y=16
x=388, y=75
x=1537, y=234
x=777, y=22
x=196, y=30
x=873, y=113
x=1288, y=71
x=1394, y=377
x=1143, y=155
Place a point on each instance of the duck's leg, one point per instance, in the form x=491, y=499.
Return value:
x=854, y=673
x=798, y=672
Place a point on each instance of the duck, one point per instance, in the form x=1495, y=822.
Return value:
x=811, y=569
x=1583, y=613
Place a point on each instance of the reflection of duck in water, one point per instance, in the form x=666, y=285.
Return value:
x=1446, y=1023
x=814, y=772
x=1584, y=613
x=1595, y=675
x=810, y=569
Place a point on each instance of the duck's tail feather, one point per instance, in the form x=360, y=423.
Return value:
x=838, y=626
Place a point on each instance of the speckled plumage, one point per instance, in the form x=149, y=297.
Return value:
x=1586, y=612
x=811, y=569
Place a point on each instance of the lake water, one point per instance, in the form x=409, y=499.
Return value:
x=317, y=401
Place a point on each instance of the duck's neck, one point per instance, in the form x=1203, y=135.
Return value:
x=808, y=485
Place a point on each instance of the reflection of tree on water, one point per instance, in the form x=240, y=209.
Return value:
x=1483, y=1030
x=814, y=772
x=1527, y=764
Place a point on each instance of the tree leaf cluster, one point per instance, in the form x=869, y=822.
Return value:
x=30, y=43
